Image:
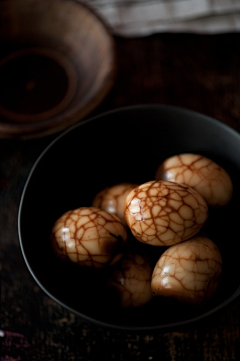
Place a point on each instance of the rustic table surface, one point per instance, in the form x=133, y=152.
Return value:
x=199, y=72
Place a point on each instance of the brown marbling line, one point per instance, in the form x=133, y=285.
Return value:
x=200, y=173
x=88, y=236
x=189, y=271
x=131, y=278
x=111, y=199
x=163, y=213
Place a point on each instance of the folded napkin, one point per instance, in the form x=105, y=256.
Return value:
x=132, y=18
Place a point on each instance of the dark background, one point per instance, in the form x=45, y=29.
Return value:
x=199, y=72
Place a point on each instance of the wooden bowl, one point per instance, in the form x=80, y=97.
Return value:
x=57, y=63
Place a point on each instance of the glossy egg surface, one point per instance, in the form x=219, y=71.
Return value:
x=162, y=213
x=89, y=237
x=189, y=271
x=200, y=173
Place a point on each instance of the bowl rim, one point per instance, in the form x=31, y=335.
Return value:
x=161, y=328
x=73, y=114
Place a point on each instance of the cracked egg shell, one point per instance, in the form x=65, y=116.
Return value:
x=188, y=272
x=162, y=213
x=201, y=173
x=89, y=237
x=131, y=279
x=111, y=199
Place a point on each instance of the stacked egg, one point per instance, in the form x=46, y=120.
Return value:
x=167, y=213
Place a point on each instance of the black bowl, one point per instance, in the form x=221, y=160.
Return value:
x=124, y=145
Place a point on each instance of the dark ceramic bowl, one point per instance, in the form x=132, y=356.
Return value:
x=124, y=145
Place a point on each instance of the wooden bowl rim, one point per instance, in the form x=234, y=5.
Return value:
x=72, y=115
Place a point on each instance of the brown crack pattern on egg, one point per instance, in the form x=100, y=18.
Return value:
x=111, y=199
x=200, y=173
x=188, y=272
x=131, y=278
x=89, y=237
x=163, y=213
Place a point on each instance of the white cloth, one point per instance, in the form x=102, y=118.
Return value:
x=132, y=18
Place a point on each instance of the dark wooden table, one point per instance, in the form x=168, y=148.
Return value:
x=199, y=72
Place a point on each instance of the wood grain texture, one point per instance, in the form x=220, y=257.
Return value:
x=192, y=71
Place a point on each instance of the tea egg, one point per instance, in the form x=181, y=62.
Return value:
x=131, y=279
x=111, y=199
x=89, y=236
x=189, y=271
x=201, y=173
x=163, y=213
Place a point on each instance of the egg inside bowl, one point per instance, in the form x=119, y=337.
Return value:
x=124, y=145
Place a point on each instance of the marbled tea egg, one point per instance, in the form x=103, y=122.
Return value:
x=189, y=271
x=131, y=278
x=162, y=213
x=111, y=199
x=89, y=237
x=201, y=173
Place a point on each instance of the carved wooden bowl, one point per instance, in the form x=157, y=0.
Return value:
x=127, y=145
x=57, y=63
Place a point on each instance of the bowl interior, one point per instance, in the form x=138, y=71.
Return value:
x=56, y=65
x=120, y=146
